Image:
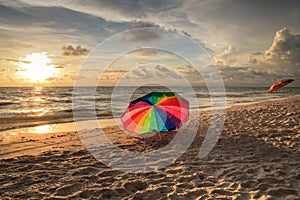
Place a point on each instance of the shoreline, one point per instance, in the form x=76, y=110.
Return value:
x=69, y=125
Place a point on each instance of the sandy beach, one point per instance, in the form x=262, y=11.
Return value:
x=256, y=157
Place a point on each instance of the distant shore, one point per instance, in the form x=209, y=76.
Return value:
x=257, y=156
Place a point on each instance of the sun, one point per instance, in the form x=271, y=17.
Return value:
x=37, y=67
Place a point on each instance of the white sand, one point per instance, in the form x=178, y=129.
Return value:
x=257, y=157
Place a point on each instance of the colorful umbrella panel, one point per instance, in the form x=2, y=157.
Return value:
x=156, y=112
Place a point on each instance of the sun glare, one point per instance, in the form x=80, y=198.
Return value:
x=37, y=67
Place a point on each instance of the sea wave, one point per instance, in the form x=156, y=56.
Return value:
x=47, y=105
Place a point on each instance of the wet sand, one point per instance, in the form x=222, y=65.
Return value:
x=256, y=157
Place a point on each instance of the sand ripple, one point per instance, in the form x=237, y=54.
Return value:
x=257, y=157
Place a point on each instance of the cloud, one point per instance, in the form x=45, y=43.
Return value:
x=138, y=14
x=56, y=79
x=191, y=74
x=52, y=79
x=257, y=53
x=15, y=60
x=244, y=31
x=247, y=24
x=201, y=19
x=50, y=26
x=230, y=56
x=142, y=24
x=285, y=49
x=224, y=58
x=142, y=36
x=252, y=59
x=145, y=72
x=59, y=67
x=283, y=57
x=146, y=24
x=18, y=69
x=113, y=10
x=146, y=52
x=255, y=76
x=112, y=75
x=70, y=50
x=280, y=60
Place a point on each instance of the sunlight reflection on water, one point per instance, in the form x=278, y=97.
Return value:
x=41, y=129
x=59, y=128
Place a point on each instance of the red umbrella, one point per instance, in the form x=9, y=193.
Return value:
x=280, y=84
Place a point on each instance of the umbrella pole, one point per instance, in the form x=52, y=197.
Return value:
x=157, y=124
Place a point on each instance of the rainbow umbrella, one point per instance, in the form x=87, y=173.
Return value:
x=280, y=84
x=156, y=112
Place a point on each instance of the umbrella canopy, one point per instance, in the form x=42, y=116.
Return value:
x=156, y=112
x=280, y=84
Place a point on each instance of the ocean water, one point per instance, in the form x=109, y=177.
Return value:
x=25, y=105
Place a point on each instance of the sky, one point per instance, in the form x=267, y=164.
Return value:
x=46, y=43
